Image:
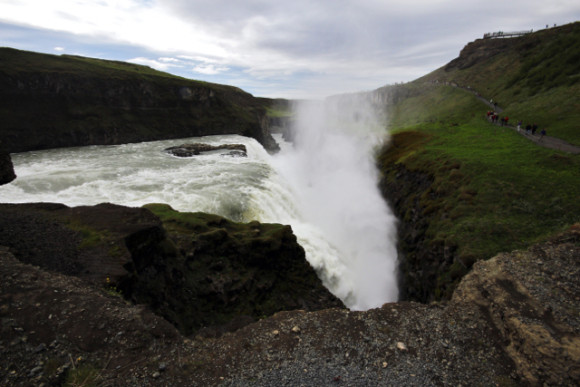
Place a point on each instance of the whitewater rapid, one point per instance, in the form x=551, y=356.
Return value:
x=347, y=232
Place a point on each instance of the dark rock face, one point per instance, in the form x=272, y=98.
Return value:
x=188, y=150
x=232, y=271
x=6, y=169
x=195, y=270
x=52, y=101
x=424, y=261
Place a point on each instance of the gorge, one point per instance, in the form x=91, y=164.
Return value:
x=96, y=290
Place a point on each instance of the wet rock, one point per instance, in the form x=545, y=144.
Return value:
x=6, y=168
x=189, y=150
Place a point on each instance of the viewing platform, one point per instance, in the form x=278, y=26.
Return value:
x=501, y=34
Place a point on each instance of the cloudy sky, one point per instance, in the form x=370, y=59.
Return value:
x=289, y=49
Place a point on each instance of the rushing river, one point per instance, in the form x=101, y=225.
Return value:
x=326, y=191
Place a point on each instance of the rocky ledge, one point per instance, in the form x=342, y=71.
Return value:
x=189, y=150
x=512, y=321
x=202, y=273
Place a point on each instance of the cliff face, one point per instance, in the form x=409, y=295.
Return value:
x=49, y=101
x=430, y=268
x=195, y=270
x=512, y=321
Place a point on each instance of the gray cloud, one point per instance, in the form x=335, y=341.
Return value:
x=316, y=47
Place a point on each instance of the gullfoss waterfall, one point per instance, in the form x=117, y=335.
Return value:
x=324, y=186
x=333, y=174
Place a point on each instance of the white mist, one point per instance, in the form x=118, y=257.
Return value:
x=332, y=171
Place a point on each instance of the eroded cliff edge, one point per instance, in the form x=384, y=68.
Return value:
x=512, y=321
x=53, y=101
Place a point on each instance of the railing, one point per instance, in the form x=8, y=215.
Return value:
x=501, y=34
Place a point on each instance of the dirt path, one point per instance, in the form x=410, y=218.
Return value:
x=551, y=142
x=545, y=141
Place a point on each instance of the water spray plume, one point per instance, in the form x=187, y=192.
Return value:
x=332, y=170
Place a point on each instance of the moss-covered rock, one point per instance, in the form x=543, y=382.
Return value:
x=196, y=270
x=230, y=270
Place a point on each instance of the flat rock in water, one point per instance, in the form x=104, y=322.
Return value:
x=189, y=150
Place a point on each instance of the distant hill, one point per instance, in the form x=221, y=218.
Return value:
x=49, y=101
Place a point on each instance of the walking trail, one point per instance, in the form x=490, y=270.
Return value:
x=545, y=141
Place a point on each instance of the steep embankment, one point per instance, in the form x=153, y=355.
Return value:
x=58, y=101
x=6, y=169
x=534, y=78
x=464, y=189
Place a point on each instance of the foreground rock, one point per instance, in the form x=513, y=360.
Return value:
x=512, y=321
x=6, y=169
x=533, y=299
x=188, y=150
x=196, y=270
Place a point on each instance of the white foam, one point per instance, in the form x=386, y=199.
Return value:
x=260, y=187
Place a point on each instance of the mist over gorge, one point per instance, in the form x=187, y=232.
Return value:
x=332, y=169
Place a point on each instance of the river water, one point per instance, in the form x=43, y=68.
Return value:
x=326, y=192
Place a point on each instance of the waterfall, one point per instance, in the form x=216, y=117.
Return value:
x=334, y=208
x=332, y=172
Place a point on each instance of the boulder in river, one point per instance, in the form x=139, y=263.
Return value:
x=189, y=150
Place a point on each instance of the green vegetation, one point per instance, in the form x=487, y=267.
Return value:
x=84, y=375
x=534, y=78
x=499, y=190
x=432, y=103
x=17, y=61
x=491, y=189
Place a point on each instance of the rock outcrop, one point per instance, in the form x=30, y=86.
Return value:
x=188, y=150
x=195, y=270
x=533, y=299
x=59, y=101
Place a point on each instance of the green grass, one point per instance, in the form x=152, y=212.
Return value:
x=492, y=189
x=433, y=103
x=523, y=191
x=534, y=78
x=517, y=192
x=23, y=61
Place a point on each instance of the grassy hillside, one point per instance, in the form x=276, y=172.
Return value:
x=15, y=62
x=535, y=78
x=488, y=188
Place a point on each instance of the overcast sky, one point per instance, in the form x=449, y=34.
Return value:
x=288, y=49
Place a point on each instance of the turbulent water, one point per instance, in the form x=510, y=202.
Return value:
x=324, y=188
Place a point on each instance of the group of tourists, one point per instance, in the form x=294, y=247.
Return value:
x=495, y=118
x=530, y=129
